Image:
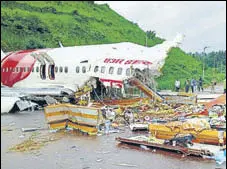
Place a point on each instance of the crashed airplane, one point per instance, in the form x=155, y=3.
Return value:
x=62, y=71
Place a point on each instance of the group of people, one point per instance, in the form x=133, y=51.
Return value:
x=193, y=84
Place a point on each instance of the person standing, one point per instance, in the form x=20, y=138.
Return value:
x=200, y=86
x=187, y=85
x=224, y=86
x=192, y=85
x=177, y=85
x=213, y=83
x=195, y=85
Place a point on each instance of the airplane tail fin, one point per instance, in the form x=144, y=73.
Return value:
x=178, y=39
x=161, y=50
x=174, y=43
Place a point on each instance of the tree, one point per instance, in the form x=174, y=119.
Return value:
x=151, y=34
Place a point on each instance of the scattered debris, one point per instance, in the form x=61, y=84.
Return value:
x=144, y=147
x=126, y=165
x=99, y=160
x=29, y=129
x=138, y=126
x=34, y=142
x=21, y=136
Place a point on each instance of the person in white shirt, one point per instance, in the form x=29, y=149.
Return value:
x=177, y=85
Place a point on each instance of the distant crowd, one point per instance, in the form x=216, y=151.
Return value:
x=195, y=85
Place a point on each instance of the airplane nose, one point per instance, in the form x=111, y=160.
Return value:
x=16, y=67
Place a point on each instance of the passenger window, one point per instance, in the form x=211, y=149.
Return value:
x=111, y=69
x=17, y=69
x=21, y=69
x=84, y=69
x=60, y=69
x=37, y=69
x=66, y=69
x=56, y=69
x=77, y=69
x=103, y=68
x=96, y=69
x=119, y=71
x=33, y=69
x=128, y=72
x=3, y=69
x=6, y=69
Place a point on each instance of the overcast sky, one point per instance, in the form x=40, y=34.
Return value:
x=202, y=22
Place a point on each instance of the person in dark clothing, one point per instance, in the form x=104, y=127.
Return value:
x=192, y=85
x=187, y=85
x=103, y=90
x=92, y=94
x=200, y=86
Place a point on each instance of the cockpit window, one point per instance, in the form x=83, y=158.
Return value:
x=111, y=70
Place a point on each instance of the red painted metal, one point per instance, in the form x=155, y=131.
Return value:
x=21, y=61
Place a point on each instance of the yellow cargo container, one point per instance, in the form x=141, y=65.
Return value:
x=206, y=136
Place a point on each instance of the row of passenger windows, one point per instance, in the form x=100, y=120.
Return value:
x=111, y=70
x=56, y=69
x=65, y=69
x=37, y=69
x=17, y=69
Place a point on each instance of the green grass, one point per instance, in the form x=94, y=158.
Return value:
x=41, y=24
x=180, y=65
x=73, y=23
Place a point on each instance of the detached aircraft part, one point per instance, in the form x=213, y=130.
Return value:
x=14, y=104
x=50, y=100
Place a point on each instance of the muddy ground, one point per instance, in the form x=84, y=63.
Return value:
x=73, y=150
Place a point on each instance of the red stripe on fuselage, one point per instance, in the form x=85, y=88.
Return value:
x=20, y=59
x=117, y=82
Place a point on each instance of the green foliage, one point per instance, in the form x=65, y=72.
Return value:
x=216, y=60
x=41, y=24
x=72, y=23
x=182, y=66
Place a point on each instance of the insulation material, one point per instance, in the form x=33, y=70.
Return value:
x=85, y=119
